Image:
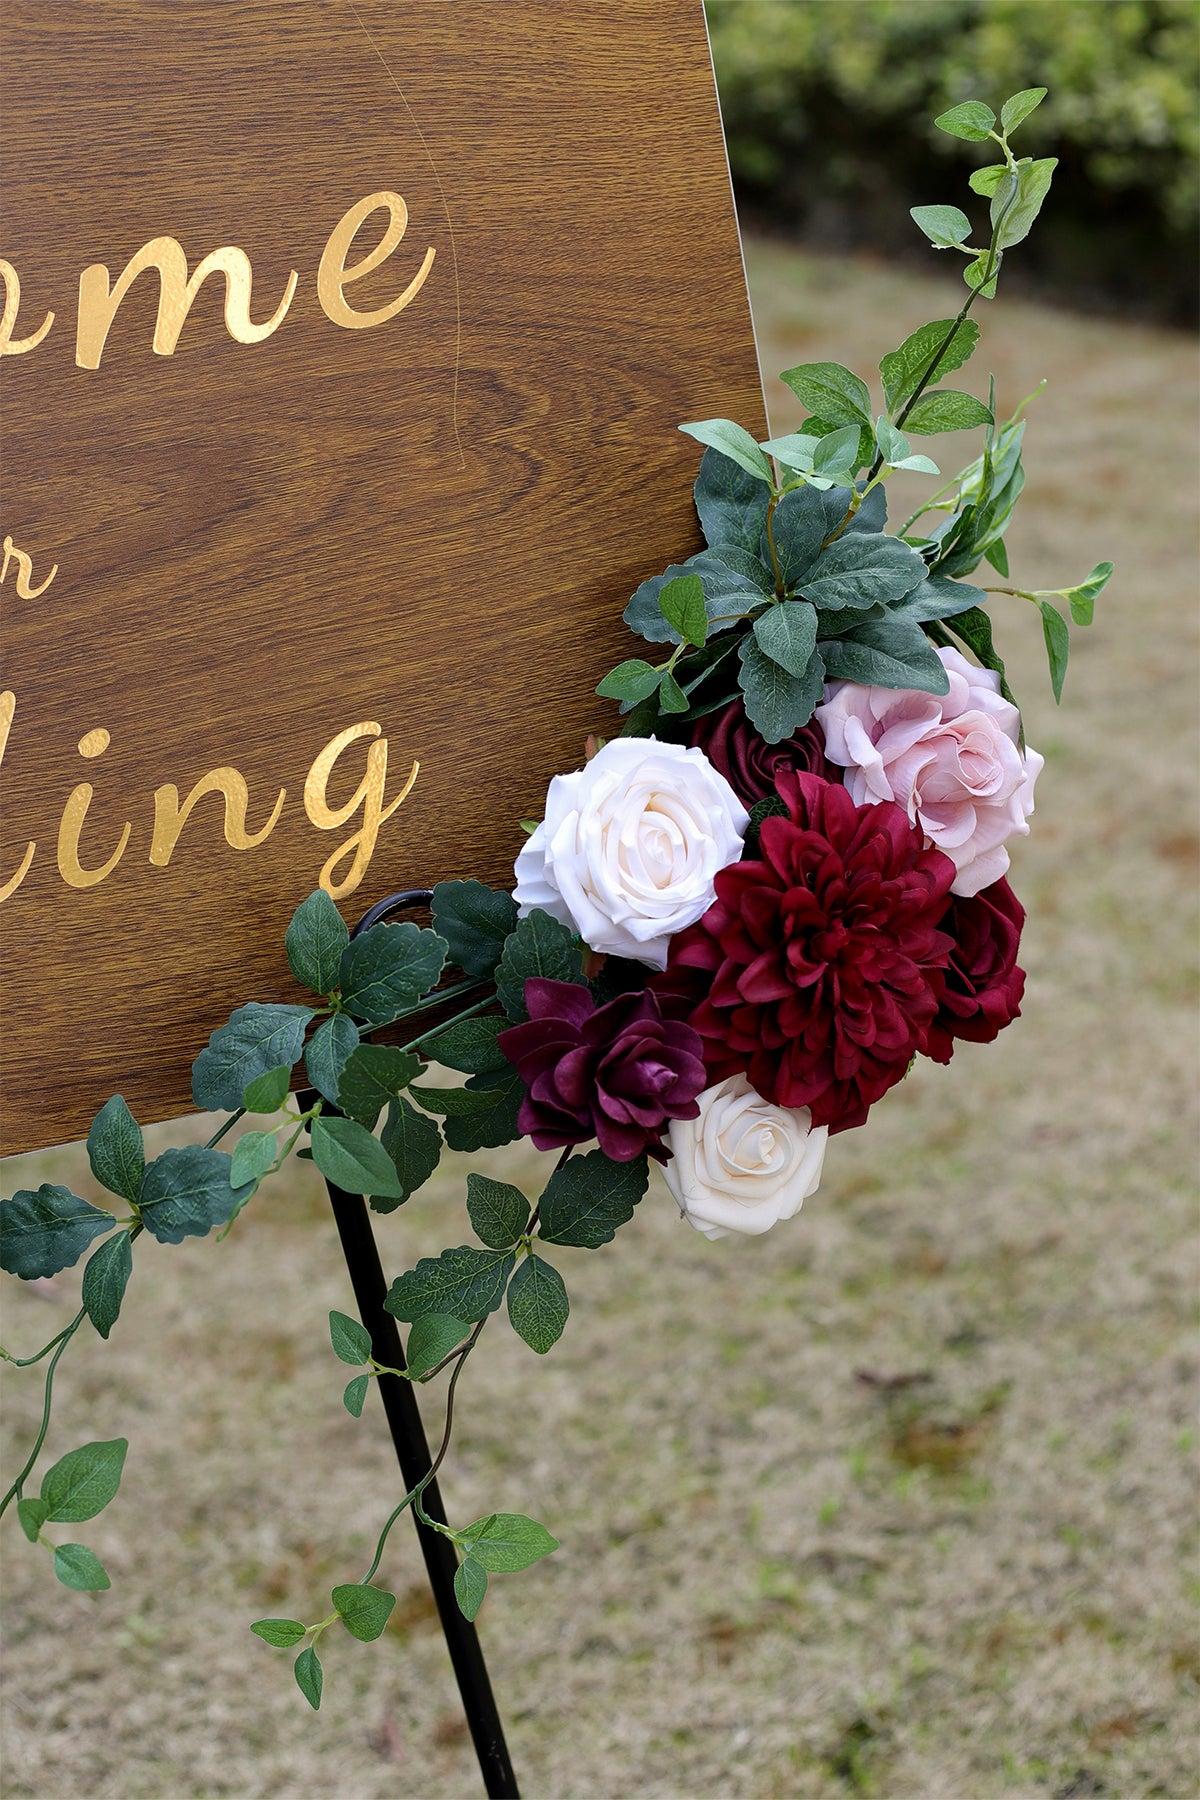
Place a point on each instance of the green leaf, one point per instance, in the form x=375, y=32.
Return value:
x=671, y=698
x=352, y=1159
x=971, y=120
x=363, y=1610
x=414, y=1145
x=433, y=1337
x=1058, y=645
x=465, y=1282
x=498, y=1211
x=255, y=1040
x=310, y=1678
x=892, y=653
x=374, y=1075
x=1082, y=599
x=730, y=502
x=830, y=391
x=329, y=1049
x=46, y=1230
x=733, y=441
x=470, y=1587
x=80, y=1568
x=267, y=1093
x=506, y=1542
x=997, y=554
x=974, y=627
x=798, y=525
x=355, y=1394
x=114, y=1148
x=1033, y=184
x=187, y=1191
x=1019, y=107
x=540, y=946
x=936, y=598
x=315, y=940
x=31, y=1515
x=862, y=569
x=837, y=454
x=946, y=410
x=732, y=581
x=470, y=1046
x=777, y=703
x=81, y=1483
x=388, y=969
x=681, y=603
x=283, y=1633
x=253, y=1155
x=480, y=1116
x=105, y=1279
x=633, y=680
x=985, y=181
x=475, y=921
x=350, y=1339
x=538, y=1304
x=787, y=633
x=589, y=1197
x=945, y=226
x=974, y=272
x=795, y=450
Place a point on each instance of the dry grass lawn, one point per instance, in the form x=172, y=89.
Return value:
x=899, y=1500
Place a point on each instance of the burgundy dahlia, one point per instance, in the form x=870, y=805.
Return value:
x=817, y=969
x=618, y=1073
x=746, y=760
x=983, y=985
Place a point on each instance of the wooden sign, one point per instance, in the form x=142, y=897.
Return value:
x=344, y=343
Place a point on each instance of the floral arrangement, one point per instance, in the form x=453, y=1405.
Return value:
x=731, y=932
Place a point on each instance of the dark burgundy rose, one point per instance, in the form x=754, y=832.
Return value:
x=748, y=763
x=617, y=1073
x=983, y=986
x=817, y=969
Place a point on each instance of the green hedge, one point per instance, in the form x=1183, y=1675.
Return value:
x=829, y=106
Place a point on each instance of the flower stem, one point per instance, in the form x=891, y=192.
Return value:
x=14, y=1492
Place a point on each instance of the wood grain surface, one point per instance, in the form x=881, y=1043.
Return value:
x=432, y=524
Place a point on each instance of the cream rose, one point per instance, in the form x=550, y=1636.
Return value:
x=630, y=845
x=744, y=1164
x=952, y=760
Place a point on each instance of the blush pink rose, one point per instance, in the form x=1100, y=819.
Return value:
x=951, y=760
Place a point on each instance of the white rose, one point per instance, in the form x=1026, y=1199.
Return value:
x=630, y=845
x=744, y=1164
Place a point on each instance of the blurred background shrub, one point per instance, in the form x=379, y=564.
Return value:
x=829, y=108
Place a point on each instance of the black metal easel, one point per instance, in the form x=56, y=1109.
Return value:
x=353, y=1221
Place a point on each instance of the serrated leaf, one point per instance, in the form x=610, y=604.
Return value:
x=731, y=440
x=946, y=410
x=31, y=1515
x=350, y=1339
x=945, y=226
x=254, y=1040
x=971, y=120
x=354, y=1395
x=432, y=1338
x=81, y=1483
x=470, y=1046
x=187, y=1191
x=538, y=1304
x=480, y=1116
x=252, y=1156
x=414, y=1145
x=830, y=391
x=475, y=920
x=470, y=1587
x=1082, y=599
x=114, y=1148
x=328, y=1051
x=1058, y=645
x=388, y=969
x=78, y=1567
x=363, y=1610
x=863, y=569
x=681, y=603
x=267, y=1093
x=352, y=1159
x=465, y=1282
x=282, y=1633
x=47, y=1229
x=589, y=1198
x=498, y=1211
x=310, y=1677
x=105, y=1279
x=314, y=942
x=506, y=1542
x=787, y=633
x=1015, y=219
x=632, y=680
x=374, y=1076
x=892, y=653
x=776, y=703
x=540, y=946
x=730, y=502
x=904, y=368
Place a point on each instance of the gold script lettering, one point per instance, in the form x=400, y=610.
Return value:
x=24, y=571
x=8, y=706
x=98, y=301
x=333, y=275
x=93, y=743
x=9, y=345
x=368, y=795
x=170, y=817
